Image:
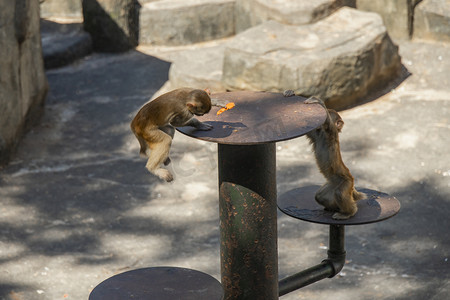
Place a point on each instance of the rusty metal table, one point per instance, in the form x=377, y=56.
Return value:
x=246, y=137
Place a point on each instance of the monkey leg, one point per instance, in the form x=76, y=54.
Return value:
x=325, y=197
x=345, y=202
x=170, y=130
x=160, y=147
x=358, y=195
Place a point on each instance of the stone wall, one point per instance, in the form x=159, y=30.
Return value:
x=250, y=13
x=432, y=20
x=398, y=15
x=23, y=85
x=61, y=9
x=113, y=24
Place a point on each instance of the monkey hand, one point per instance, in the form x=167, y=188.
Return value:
x=203, y=126
x=313, y=100
x=288, y=93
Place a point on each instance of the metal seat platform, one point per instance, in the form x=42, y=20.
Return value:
x=300, y=203
x=159, y=283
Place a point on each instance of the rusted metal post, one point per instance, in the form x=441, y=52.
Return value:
x=248, y=221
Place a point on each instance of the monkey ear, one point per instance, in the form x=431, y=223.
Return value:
x=208, y=91
x=339, y=124
x=190, y=104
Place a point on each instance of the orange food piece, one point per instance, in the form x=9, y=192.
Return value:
x=227, y=107
x=230, y=105
x=221, y=110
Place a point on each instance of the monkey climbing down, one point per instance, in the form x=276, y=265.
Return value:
x=338, y=194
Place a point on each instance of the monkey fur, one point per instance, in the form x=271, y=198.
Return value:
x=154, y=124
x=338, y=194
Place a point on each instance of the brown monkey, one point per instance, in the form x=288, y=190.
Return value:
x=338, y=194
x=154, y=124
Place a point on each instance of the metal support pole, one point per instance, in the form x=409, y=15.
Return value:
x=328, y=268
x=248, y=221
x=336, y=249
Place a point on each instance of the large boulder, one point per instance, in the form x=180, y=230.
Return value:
x=340, y=58
x=204, y=69
x=113, y=24
x=62, y=44
x=67, y=9
x=432, y=20
x=398, y=15
x=250, y=13
x=178, y=22
x=23, y=84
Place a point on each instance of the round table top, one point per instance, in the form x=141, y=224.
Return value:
x=159, y=283
x=258, y=118
x=300, y=203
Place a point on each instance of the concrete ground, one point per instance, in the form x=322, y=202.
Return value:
x=77, y=205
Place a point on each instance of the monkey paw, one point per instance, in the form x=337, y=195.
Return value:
x=204, y=126
x=167, y=161
x=164, y=174
x=340, y=216
x=313, y=100
x=288, y=93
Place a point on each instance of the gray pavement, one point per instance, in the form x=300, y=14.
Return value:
x=77, y=205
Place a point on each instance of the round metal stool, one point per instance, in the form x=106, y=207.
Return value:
x=300, y=204
x=159, y=283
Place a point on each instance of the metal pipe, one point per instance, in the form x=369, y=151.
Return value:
x=328, y=268
x=248, y=221
x=306, y=277
x=336, y=249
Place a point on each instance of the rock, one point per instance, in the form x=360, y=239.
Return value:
x=61, y=9
x=204, y=69
x=23, y=82
x=250, y=13
x=432, y=20
x=174, y=22
x=199, y=68
x=397, y=15
x=63, y=43
x=113, y=24
x=339, y=59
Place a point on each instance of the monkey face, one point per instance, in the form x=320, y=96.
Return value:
x=198, y=108
x=199, y=102
x=336, y=119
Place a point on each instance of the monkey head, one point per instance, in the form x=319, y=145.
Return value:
x=336, y=119
x=199, y=102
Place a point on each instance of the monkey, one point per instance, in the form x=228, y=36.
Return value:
x=338, y=194
x=154, y=124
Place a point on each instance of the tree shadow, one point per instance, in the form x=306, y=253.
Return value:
x=78, y=176
x=410, y=249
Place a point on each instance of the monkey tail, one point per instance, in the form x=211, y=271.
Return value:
x=358, y=195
